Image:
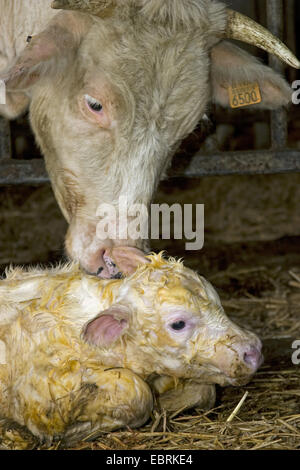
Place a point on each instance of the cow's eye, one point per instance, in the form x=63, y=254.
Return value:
x=93, y=104
x=178, y=325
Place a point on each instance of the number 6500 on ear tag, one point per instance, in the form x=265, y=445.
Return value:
x=244, y=95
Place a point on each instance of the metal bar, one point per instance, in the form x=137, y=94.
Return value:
x=276, y=25
x=33, y=172
x=242, y=163
x=5, y=140
x=279, y=126
x=290, y=31
x=23, y=172
x=279, y=129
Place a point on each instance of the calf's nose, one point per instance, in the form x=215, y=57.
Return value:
x=253, y=357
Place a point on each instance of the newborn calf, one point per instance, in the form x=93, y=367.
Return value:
x=79, y=355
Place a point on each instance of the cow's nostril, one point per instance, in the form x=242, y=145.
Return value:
x=99, y=271
x=253, y=358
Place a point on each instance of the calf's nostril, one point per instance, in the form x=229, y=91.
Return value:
x=253, y=358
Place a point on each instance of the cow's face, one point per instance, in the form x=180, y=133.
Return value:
x=108, y=125
x=112, y=97
x=175, y=321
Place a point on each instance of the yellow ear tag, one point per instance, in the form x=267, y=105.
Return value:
x=244, y=95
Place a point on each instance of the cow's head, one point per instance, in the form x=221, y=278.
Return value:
x=116, y=85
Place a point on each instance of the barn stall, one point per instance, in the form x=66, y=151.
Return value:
x=244, y=166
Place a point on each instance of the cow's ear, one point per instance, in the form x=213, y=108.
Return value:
x=107, y=327
x=232, y=66
x=62, y=35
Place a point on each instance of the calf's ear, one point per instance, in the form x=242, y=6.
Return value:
x=232, y=66
x=107, y=327
x=62, y=35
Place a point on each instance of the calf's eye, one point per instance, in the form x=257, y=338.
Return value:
x=179, y=325
x=93, y=104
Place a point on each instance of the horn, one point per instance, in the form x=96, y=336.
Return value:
x=94, y=7
x=244, y=29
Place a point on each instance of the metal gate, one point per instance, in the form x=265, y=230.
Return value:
x=277, y=159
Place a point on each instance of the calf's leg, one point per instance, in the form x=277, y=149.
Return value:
x=184, y=394
x=118, y=398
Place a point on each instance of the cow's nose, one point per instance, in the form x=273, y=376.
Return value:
x=253, y=357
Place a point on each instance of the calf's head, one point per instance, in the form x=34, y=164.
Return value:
x=166, y=319
x=116, y=85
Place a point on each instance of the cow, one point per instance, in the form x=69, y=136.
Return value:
x=113, y=87
x=80, y=355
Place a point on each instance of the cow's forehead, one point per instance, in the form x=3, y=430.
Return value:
x=159, y=87
x=146, y=58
